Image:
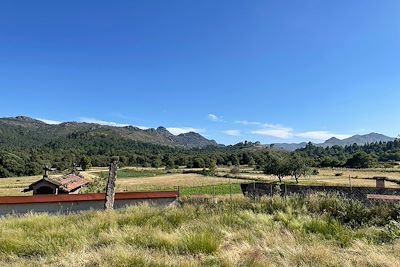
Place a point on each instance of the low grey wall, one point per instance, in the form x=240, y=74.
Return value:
x=269, y=189
x=72, y=207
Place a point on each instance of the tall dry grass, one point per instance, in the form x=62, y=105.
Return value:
x=318, y=230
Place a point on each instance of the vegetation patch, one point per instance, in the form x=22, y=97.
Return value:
x=318, y=229
x=135, y=173
x=218, y=189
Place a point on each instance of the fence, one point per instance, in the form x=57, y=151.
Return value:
x=359, y=193
x=212, y=187
x=256, y=189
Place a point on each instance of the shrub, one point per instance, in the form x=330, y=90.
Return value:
x=205, y=242
x=329, y=229
x=235, y=170
x=273, y=204
x=393, y=230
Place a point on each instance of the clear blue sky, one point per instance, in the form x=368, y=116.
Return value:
x=273, y=71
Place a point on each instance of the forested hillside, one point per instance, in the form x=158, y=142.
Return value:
x=27, y=144
x=28, y=132
x=353, y=156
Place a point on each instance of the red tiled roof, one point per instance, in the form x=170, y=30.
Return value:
x=70, y=182
x=65, y=183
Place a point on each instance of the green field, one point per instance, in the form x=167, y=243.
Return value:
x=134, y=173
x=219, y=189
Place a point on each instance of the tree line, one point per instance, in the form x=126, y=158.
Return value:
x=88, y=150
x=378, y=154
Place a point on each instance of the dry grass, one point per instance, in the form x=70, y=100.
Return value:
x=358, y=177
x=327, y=176
x=170, y=181
x=240, y=233
x=14, y=186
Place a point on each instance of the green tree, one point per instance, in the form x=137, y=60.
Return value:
x=252, y=162
x=34, y=165
x=156, y=162
x=169, y=162
x=234, y=159
x=213, y=167
x=360, y=160
x=297, y=166
x=278, y=166
x=198, y=163
x=86, y=163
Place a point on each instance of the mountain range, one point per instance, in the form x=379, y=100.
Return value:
x=26, y=130
x=355, y=139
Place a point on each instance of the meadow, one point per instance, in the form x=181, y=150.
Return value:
x=226, y=230
x=318, y=230
x=190, y=182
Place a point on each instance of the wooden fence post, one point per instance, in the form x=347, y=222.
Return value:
x=254, y=191
x=230, y=190
x=110, y=191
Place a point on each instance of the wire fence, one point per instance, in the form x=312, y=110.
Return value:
x=254, y=184
x=256, y=189
x=259, y=190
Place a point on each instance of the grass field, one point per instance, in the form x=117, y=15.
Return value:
x=315, y=231
x=14, y=186
x=171, y=182
x=134, y=173
x=329, y=176
x=149, y=179
x=219, y=189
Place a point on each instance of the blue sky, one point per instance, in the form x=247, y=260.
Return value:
x=272, y=71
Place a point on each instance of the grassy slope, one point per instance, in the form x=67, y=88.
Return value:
x=273, y=232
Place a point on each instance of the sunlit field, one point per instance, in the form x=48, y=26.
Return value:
x=150, y=179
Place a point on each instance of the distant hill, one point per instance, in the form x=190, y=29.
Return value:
x=356, y=139
x=289, y=146
x=27, y=132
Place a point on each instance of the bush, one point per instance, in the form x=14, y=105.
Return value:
x=329, y=229
x=205, y=242
x=235, y=170
x=393, y=230
x=315, y=172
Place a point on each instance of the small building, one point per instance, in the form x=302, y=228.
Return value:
x=67, y=184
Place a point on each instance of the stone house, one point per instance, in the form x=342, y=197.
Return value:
x=67, y=184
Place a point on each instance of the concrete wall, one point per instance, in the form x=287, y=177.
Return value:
x=269, y=189
x=66, y=204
